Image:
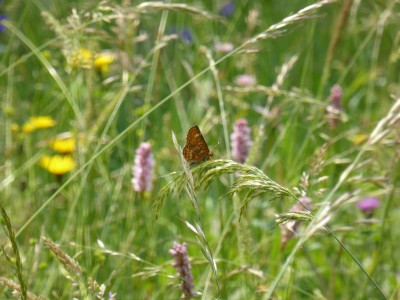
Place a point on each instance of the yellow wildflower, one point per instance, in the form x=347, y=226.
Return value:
x=15, y=127
x=358, y=139
x=102, y=62
x=46, y=54
x=38, y=123
x=81, y=58
x=64, y=143
x=57, y=164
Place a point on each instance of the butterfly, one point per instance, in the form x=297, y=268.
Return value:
x=196, y=149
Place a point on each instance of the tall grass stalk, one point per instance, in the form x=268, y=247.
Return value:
x=9, y=231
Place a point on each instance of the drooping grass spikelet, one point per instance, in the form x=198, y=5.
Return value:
x=255, y=184
x=18, y=263
x=286, y=67
x=386, y=124
x=147, y=7
x=249, y=179
x=70, y=264
x=290, y=222
x=16, y=287
x=301, y=15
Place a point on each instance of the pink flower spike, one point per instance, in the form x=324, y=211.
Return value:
x=336, y=96
x=223, y=47
x=245, y=80
x=182, y=265
x=143, y=169
x=240, y=140
x=334, y=107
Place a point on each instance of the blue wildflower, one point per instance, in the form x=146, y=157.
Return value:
x=2, y=27
x=228, y=9
x=186, y=35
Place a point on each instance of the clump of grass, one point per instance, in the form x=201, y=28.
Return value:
x=6, y=222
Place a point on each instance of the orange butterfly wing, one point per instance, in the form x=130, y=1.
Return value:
x=196, y=149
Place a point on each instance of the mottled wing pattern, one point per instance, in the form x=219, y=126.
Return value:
x=196, y=149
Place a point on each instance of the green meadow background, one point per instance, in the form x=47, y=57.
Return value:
x=87, y=234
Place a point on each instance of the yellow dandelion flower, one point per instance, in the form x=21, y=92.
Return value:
x=81, y=58
x=57, y=164
x=38, y=123
x=64, y=143
x=102, y=62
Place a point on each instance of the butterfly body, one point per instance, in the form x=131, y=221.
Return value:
x=196, y=149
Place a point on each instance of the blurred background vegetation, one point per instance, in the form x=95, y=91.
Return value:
x=85, y=83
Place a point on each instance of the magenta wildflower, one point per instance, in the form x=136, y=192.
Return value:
x=240, y=140
x=290, y=228
x=335, y=105
x=182, y=265
x=245, y=80
x=143, y=168
x=368, y=205
x=223, y=47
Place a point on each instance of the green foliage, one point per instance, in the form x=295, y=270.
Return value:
x=110, y=75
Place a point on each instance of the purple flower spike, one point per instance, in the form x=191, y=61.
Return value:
x=182, y=265
x=240, y=139
x=335, y=105
x=227, y=9
x=368, y=204
x=143, y=169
